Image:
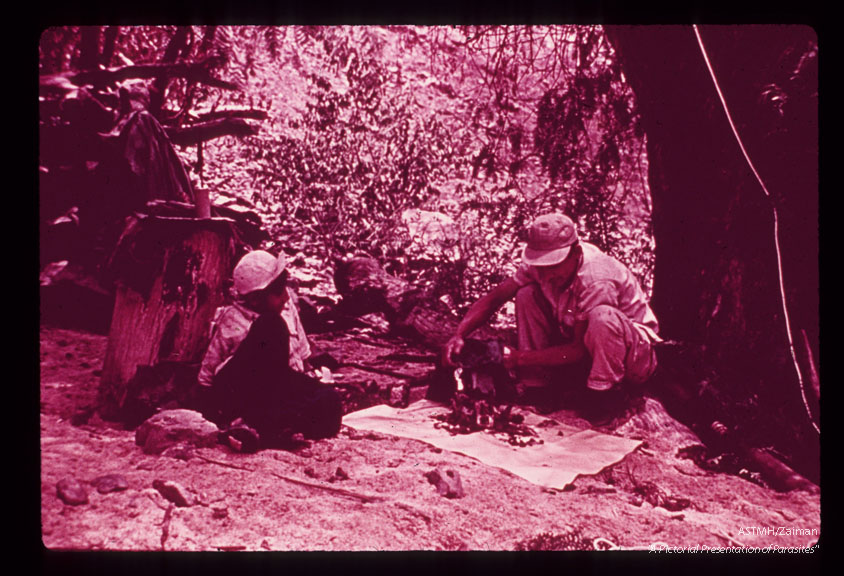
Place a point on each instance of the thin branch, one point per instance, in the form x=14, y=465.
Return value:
x=165, y=524
x=225, y=464
x=365, y=498
x=250, y=113
x=197, y=71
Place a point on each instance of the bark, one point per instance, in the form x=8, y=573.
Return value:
x=177, y=45
x=170, y=275
x=207, y=40
x=110, y=35
x=89, y=47
x=715, y=278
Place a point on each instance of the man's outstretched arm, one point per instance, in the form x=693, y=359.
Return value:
x=479, y=313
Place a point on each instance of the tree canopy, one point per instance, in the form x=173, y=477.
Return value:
x=372, y=139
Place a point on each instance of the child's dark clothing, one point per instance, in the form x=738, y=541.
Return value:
x=258, y=385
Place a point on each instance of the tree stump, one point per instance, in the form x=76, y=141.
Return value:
x=170, y=274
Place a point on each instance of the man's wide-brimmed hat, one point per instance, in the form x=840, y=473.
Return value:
x=550, y=238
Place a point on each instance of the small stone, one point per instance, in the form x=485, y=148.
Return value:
x=309, y=472
x=71, y=492
x=400, y=396
x=219, y=513
x=447, y=482
x=173, y=492
x=111, y=483
x=674, y=504
x=265, y=545
x=340, y=474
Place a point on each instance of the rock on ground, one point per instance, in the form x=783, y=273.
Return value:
x=172, y=427
x=111, y=483
x=71, y=492
x=447, y=482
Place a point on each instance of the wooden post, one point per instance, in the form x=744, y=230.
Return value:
x=170, y=274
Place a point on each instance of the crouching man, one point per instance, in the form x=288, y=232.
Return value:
x=585, y=329
x=252, y=371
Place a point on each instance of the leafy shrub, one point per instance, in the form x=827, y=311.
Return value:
x=488, y=126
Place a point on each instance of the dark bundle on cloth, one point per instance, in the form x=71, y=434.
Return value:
x=481, y=373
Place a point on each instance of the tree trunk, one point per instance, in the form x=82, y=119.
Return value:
x=110, y=35
x=176, y=46
x=89, y=47
x=170, y=275
x=716, y=281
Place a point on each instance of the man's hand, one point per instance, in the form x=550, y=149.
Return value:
x=452, y=349
x=479, y=313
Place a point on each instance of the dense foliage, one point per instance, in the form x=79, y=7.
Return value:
x=429, y=148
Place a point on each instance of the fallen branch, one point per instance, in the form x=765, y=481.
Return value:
x=195, y=71
x=340, y=491
x=191, y=135
x=365, y=498
x=226, y=464
x=228, y=113
x=383, y=371
x=165, y=524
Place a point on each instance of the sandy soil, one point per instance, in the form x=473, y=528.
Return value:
x=282, y=500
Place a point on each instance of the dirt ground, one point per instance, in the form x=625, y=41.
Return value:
x=297, y=500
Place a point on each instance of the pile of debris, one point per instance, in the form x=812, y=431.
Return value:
x=470, y=415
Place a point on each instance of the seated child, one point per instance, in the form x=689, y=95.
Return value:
x=252, y=370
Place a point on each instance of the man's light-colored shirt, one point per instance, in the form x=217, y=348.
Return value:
x=600, y=280
x=231, y=325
